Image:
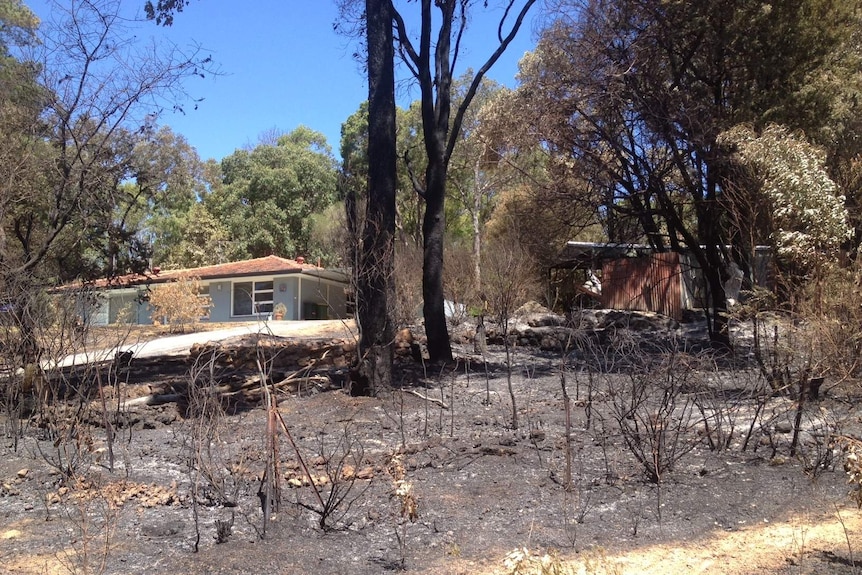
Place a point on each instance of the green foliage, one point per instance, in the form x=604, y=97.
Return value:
x=18, y=25
x=354, y=151
x=163, y=10
x=22, y=99
x=809, y=217
x=411, y=173
x=411, y=166
x=203, y=241
x=268, y=194
x=170, y=181
x=476, y=176
x=328, y=237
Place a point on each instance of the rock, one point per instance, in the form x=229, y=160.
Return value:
x=783, y=427
x=22, y=473
x=508, y=440
x=635, y=320
x=405, y=336
x=585, y=318
x=531, y=307
x=546, y=320
x=318, y=461
x=365, y=473
x=166, y=529
x=404, y=341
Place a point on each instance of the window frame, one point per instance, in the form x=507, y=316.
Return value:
x=262, y=295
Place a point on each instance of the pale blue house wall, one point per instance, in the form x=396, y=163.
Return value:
x=304, y=296
x=286, y=291
x=220, y=296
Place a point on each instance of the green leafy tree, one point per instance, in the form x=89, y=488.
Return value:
x=268, y=194
x=354, y=152
x=170, y=179
x=24, y=152
x=203, y=241
x=329, y=238
x=354, y=146
x=479, y=171
x=100, y=94
x=809, y=221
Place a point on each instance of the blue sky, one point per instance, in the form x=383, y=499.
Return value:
x=282, y=66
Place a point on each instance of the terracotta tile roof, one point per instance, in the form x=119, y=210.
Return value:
x=269, y=265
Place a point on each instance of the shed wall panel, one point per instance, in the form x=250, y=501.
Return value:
x=649, y=283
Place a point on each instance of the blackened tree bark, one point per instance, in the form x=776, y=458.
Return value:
x=374, y=281
x=432, y=65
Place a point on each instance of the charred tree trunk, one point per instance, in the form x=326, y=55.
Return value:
x=434, y=231
x=715, y=262
x=432, y=66
x=717, y=316
x=374, y=281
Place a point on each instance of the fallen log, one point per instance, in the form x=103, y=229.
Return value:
x=250, y=386
x=298, y=382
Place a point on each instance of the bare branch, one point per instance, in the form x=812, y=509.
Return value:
x=477, y=79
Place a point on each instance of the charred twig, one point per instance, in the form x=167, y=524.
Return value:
x=433, y=400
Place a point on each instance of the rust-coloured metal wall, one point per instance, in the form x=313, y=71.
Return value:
x=648, y=283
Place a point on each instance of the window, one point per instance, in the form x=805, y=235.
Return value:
x=251, y=298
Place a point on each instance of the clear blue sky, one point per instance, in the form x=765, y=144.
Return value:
x=283, y=66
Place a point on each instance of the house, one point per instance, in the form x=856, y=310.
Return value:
x=636, y=277
x=240, y=291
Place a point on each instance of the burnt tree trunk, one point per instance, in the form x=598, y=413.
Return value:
x=434, y=233
x=713, y=261
x=374, y=282
x=431, y=64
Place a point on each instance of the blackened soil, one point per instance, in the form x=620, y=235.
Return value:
x=175, y=495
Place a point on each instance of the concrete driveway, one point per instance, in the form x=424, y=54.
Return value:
x=178, y=345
